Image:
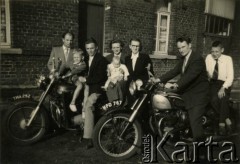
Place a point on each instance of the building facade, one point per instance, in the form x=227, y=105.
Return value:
x=31, y=28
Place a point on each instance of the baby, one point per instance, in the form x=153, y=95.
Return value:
x=117, y=73
x=78, y=70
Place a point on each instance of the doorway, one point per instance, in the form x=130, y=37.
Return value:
x=91, y=23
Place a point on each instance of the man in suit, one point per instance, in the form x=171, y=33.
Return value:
x=62, y=54
x=116, y=46
x=138, y=64
x=97, y=76
x=193, y=84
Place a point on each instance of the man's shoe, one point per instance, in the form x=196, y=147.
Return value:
x=89, y=144
x=229, y=129
x=222, y=130
x=86, y=143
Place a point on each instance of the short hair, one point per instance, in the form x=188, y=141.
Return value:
x=217, y=44
x=78, y=50
x=91, y=40
x=138, y=40
x=182, y=39
x=116, y=41
x=67, y=33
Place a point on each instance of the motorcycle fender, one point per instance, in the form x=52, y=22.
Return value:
x=20, y=97
x=118, y=110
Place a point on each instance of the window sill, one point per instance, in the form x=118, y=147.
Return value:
x=11, y=51
x=162, y=56
x=215, y=35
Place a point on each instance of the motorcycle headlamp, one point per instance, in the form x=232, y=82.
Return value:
x=134, y=86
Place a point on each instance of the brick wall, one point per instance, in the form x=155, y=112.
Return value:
x=235, y=42
x=128, y=19
x=36, y=26
x=21, y=70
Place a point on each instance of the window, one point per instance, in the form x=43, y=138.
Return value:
x=219, y=16
x=5, y=24
x=163, y=21
x=218, y=26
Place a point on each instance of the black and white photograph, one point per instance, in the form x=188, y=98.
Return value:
x=119, y=81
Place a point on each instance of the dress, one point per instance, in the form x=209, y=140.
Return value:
x=116, y=84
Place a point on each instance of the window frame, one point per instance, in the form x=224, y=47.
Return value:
x=210, y=29
x=6, y=44
x=158, y=38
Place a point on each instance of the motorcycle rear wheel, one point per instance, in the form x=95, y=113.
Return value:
x=15, y=120
x=106, y=137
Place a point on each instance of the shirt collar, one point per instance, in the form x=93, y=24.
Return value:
x=219, y=59
x=135, y=55
x=188, y=55
x=65, y=48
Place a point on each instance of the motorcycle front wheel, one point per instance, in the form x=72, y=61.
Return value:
x=107, y=138
x=15, y=123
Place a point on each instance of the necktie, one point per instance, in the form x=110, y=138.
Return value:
x=215, y=72
x=184, y=64
x=66, y=53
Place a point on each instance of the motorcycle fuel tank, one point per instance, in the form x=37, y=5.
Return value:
x=160, y=101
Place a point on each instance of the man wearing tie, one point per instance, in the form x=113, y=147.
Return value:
x=62, y=54
x=221, y=75
x=193, y=84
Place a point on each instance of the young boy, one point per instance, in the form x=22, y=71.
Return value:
x=221, y=74
x=78, y=69
x=117, y=76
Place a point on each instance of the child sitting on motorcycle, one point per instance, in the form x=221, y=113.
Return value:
x=78, y=70
x=117, y=76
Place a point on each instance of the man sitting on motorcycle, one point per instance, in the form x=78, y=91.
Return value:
x=193, y=84
x=97, y=76
x=221, y=74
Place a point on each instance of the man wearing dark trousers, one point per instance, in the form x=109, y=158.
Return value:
x=221, y=74
x=97, y=76
x=193, y=84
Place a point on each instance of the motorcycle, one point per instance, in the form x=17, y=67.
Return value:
x=118, y=134
x=28, y=120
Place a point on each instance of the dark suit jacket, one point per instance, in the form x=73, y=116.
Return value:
x=193, y=83
x=140, y=71
x=58, y=53
x=109, y=58
x=97, y=75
